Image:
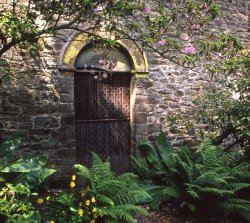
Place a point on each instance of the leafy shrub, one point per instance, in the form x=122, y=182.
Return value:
x=209, y=181
x=116, y=196
x=30, y=171
x=15, y=206
x=225, y=109
x=17, y=178
x=67, y=206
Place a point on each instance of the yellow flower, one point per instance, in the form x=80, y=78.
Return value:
x=92, y=221
x=39, y=201
x=73, y=177
x=87, y=202
x=80, y=204
x=51, y=222
x=47, y=198
x=94, y=209
x=83, y=194
x=93, y=199
x=80, y=212
x=72, y=184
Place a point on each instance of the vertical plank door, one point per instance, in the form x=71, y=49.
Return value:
x=102, y=118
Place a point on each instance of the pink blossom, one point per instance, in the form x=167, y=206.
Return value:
x=101, y=62
x=147, y=9
x=189, y=50
x=112, y=64
x=104, y=75
x=162, y=42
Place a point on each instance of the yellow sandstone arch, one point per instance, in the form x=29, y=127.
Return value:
x=73, y=48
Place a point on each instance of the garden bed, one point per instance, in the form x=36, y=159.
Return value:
x=175, y=215
x=164, y=217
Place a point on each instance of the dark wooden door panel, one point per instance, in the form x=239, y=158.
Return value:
x=102, y=119
x=100, y=99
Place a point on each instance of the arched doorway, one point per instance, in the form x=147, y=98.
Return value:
x=102, y=106
x=78, y=60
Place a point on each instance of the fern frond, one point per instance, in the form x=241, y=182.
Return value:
x=122, y=215
x=209, y=157
x=127, y=177
x=185, y=156
x=161, y=193
x=234, y=204
x=241, y=171
x=101, y=169
x=211, y=178
x=191, y=206
x=132, y=197
x=239, y=186
x=185, y=170
x=163, y=145
x=152, y=157
x=217, y=192
x=83, y=171
x=141, y=168
x=193, y=190
x=104, y=200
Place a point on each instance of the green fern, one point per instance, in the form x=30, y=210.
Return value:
x=235, y=205
x=209, y=176
x=117, y=196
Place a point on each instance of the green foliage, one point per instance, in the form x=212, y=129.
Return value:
x=29, y=171
x=18, y=177
x=15, y=206
x=117, y=196
x=225, y=108
x=68, y=206
x=208, y=181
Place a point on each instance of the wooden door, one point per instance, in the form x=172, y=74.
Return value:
x=102, y=119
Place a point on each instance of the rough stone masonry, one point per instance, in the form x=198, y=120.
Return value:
x=40, y=99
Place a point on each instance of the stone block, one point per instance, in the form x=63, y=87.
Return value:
x=66, y=107
x=153, y=128
x=46, y=107
x=66, y=88
x=68, y=143
x=141, y=118
x=140, y=99
x=67, y=98
x=21, y=99
x=62, y=80
x=41, y=122
x=45, y=144
x=144, y=83
x=141, y=129
x=179, y=93
x=63, y=134
x=140, y=91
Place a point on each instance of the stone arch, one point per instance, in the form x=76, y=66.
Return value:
x=73, y=47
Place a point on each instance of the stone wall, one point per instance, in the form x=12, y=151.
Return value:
x=40, y=98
